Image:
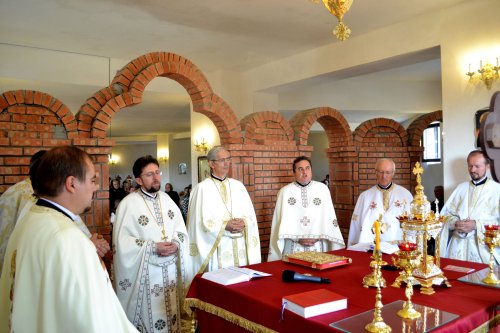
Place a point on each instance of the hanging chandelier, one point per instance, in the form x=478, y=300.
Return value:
x=338, y=8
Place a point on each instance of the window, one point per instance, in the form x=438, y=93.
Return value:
x=431, y=141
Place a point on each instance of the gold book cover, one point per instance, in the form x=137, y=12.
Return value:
x=316, y=260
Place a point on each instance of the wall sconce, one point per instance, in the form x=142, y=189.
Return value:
x=201, y=146
x=487, y=73
x=113, y=159
x=163, y=155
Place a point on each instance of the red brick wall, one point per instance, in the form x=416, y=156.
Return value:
x=263, y=144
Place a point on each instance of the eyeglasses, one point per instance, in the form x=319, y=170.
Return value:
x=152, y=173
x=387, y=173
x=222, y=160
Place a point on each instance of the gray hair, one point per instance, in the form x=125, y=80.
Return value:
x=380, y=160
x=212, y=153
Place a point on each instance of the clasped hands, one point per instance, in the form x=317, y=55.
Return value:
x=164, y=249
x=101, y=244
x=308, y=241
x=235, y=225
x=465, y=225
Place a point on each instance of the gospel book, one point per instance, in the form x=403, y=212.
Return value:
x=232, y=275
x=314, y=303
x=316, y=260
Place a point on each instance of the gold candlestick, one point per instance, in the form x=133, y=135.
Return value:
x=373, y=279
x=492, y=240
x=407, y=260
x=378, y=324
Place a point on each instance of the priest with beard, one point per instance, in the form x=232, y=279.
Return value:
x=150, y=243
x=304, y=218
x=472, y=206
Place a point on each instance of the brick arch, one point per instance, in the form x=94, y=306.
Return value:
x=36, y=112
x=127, y=89
x=417, y=127
x=266, y=127
x=362, y=131
x=334, y=123
x=379, y=138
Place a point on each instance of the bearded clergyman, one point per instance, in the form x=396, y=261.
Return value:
x=150, y=244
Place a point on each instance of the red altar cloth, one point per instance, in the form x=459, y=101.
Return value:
x=259, y=300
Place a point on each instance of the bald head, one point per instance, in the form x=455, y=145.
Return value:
x=385, y=169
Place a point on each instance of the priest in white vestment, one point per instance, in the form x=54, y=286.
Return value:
x=471, y=207
x=52, y=279
x=150, y=243
x=386, y=199
x=222, y=225
x=17, y=201
x=304, y=218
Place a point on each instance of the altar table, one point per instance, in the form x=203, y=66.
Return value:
x=256, y=305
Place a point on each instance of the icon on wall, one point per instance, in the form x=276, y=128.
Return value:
x=182, y=168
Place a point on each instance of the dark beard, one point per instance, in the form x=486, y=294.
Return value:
x=153, y=189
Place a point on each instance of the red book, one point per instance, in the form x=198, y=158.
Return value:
x=314, y=303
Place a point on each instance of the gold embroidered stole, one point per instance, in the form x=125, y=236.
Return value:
x=385, y=196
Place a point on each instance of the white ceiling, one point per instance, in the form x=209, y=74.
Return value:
x=231, y=35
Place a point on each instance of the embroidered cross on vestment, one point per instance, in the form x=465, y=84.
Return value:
x=305, y=221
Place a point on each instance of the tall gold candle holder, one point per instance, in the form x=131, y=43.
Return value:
x=378, y=325
x=492, y=240
x=407, y=259
x=419, y=226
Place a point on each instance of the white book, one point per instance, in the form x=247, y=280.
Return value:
x=232, y=275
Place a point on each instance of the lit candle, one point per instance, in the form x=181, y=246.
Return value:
x=377, y=235
x=407, y=246
x=469, y=68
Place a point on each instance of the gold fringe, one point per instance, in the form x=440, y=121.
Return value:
x=226, y=315
x=487, y=326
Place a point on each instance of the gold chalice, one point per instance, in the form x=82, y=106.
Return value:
x=408, y=258
x=492, y=240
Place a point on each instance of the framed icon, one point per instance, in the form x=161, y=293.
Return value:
x=182, y=168
x=203, y=168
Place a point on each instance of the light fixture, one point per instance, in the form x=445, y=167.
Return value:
x=113, y=159
x=338, y=8
x=201, y=146
x=487, y=73
x=163, y=155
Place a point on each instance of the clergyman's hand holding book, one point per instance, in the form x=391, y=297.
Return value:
x=232, y=275
x=314, y=303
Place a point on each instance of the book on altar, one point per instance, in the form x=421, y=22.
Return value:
x=232, y=275
x=314, y=303
x=385, y=247
x=460, y=269
x=316, y=260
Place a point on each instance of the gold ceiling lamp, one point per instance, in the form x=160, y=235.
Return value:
x=338, y=8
